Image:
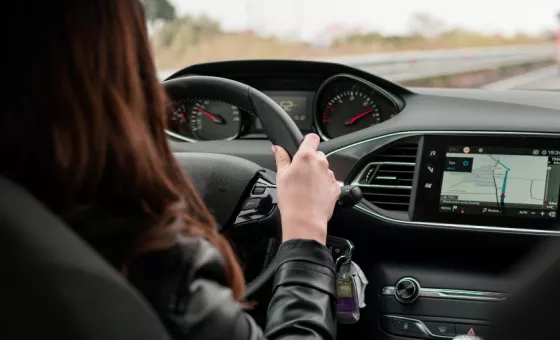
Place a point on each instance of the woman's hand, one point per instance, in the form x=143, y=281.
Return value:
x=307, y=191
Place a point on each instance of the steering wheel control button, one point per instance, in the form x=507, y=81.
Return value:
x=441, y=328
x=407, y=290
x=475, y=330
x=265, y=204
x=259, y=190
x=350, y=195
x=251, y=204
x=405, y=325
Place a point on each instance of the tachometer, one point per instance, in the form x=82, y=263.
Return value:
x=211, y=120
x=178, y=122
x=348, y=111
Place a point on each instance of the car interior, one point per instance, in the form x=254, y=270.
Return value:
x=446, y=195
x=436, y=238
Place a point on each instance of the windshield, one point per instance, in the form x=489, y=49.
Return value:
x=494, y=44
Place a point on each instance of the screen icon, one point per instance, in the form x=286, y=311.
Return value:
x=544, y=152
x=552, y=214
x=428, y=185
x=536, y=152
x=484, y=210
x=481, y=150
x=466, y=149
x=431, y=169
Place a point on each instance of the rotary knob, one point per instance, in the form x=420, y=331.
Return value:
x=407, y=290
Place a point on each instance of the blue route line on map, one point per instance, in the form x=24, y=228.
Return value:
x=503, y=195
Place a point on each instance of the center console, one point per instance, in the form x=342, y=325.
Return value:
x=450, y=215
x=487, y=181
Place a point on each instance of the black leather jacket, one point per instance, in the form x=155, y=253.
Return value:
x=186, y=287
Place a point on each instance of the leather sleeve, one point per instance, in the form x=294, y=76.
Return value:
x=186, y=287
x=303, y=304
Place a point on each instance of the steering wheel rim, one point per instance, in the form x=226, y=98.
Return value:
x=277, y=124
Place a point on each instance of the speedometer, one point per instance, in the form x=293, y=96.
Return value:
x=348, y=111
x=205, y=120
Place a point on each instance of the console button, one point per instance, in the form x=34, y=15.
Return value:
x=477, y=330
x=407, y=290
x=441, y=328
x=433, y=154
x=259, y=190
x=430, y=168
x=406, y=326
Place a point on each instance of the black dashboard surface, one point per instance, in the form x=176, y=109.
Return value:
x=387, y=251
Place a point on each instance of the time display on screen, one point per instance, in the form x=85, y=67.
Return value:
x=295, y=107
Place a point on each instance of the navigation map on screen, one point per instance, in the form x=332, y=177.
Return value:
x=500, y=181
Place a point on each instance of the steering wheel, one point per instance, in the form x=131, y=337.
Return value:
x=224, y=181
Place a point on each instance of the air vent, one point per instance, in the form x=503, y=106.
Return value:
x=387, y=181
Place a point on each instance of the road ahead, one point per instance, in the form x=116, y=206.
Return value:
x=549, y=83
x=547, y=78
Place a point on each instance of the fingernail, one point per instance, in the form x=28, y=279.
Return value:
x=273, y=149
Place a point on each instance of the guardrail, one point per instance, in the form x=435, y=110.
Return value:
x=413, y=65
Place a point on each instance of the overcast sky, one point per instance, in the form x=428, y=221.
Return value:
x=310, y=17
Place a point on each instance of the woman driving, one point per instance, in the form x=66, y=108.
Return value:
x=84, y=127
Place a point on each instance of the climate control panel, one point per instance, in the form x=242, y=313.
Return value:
x=410, y=310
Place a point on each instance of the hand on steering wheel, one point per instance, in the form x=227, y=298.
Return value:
x=307, y=191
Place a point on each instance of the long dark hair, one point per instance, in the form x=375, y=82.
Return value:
x=83, y=122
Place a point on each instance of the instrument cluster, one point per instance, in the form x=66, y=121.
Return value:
x=341, y=105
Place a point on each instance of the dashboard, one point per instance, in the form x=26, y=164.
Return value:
x=376, y=133
x=460, y=185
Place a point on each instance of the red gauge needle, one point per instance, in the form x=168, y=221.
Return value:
x=215, y=118
x=354, y=119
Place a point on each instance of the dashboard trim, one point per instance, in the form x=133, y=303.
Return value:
x=437, y=225
x=455, y=294
x=464, y=227
x=178, y=136
x=413, y=133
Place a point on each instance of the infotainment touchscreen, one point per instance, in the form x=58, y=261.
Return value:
x=479, y=180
